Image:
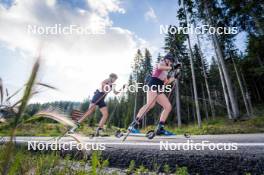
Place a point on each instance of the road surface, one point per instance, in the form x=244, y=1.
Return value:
x=247, y=156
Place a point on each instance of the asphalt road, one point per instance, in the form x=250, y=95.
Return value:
x=248, y=157
x=241, y=139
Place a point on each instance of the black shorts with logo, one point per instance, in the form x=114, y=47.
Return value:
x=156, y=83
x=99, y=98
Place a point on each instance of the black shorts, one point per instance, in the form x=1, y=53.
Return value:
x=99, y=98
x=155, y=83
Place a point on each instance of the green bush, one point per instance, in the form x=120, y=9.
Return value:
x=131, y=168
x=166, y=169
x=141, y=170
x=181, y=171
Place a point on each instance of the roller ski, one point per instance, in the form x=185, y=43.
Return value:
x=120, y=134
x=100, y=132
x=161, y=131
x=70, y=131
x=74, y=128
x=132, y=129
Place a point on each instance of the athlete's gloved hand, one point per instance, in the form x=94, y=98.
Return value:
x=176, y=66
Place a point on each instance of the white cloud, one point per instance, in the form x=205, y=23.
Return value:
x=76, y=64
x=103, y=7
x=150, y=15
x=51, y=2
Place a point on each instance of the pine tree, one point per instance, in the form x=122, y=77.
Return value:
x=183, y=17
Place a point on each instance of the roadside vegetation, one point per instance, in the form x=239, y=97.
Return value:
x=219, y=125
x=25, y=163
x=230, y=87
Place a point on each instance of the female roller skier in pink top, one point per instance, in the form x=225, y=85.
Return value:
x=154, y=94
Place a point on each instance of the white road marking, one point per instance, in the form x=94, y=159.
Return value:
x=177, y=143
x=144, y=143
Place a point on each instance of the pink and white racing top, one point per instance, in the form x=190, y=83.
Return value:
x=158, y=73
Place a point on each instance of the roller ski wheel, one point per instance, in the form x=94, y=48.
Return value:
x=119, y=134
x=91, y=136
x=131, y=129
x=186, y=135
x=151, y=134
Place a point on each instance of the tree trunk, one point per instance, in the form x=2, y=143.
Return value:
x=193, y=77
x=193, y=105
x=215, y=96
x=145, y=118
x=206, y=80
x=224, y=88
x=234, y=105
x=188, y=111
x=178, y=105
x=205, y=104
x=233, y=101
x=135, y=106
x=177, y=100
x=241, y=87
x=247, y=95
x=257, y=91
x=188, y=103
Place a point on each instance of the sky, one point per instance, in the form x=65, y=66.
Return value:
x=76, y=64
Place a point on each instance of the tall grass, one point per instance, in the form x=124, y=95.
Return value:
x=18, y=116
x=17, y=110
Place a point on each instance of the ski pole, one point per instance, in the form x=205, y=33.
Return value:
x=148, y=107
x=158, y=93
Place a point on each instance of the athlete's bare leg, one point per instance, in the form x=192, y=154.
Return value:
x=151, y=101
x=105, y=114
x=90, y=110
x=165, y=103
